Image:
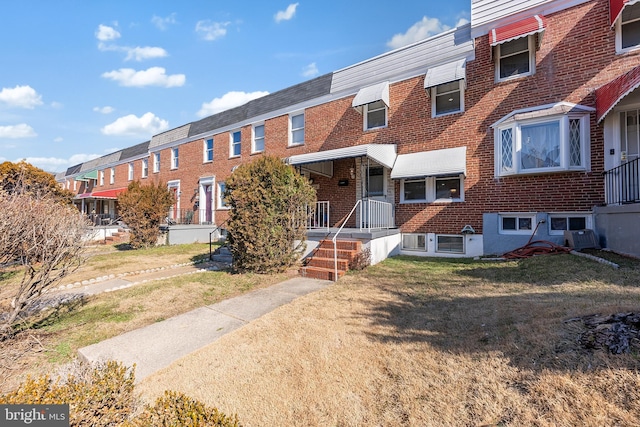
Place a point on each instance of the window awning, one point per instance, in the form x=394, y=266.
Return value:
x=543, y=111
x=385, y=154
x=108, y=194
x=91, y=175
x=80, y=177
x=616, y=7
x=609, y=95
x=369, y=94
x=449, y=161
x=446, y=73
x=83, y=196
x=526, y=27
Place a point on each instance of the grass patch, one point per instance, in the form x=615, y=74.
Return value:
x=423, y=341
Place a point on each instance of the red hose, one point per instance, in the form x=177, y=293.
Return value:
x=537, y=247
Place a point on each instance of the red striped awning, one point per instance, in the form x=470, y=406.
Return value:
x=609, y=95
x=108, y=194
x=516, y=30
x=616, y=7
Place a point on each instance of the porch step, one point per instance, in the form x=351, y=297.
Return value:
x=120, y=236
x=321, y=265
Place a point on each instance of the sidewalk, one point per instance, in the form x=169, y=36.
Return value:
x=158, y=345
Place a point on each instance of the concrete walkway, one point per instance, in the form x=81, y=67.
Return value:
x=158, y=345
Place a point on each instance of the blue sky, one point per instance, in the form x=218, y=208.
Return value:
x=81, y=79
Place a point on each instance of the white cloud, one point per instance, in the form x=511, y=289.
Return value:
x=310, y=70
x=57, y=105
x=22, y=130
x=285, y=15
x=146, y=125
x=461, y=22
x=142, y=53
x=104, y=110
x=418, y=31
x=163, y=23
x=227, y=101
x=210, y=30
x=154, y=76
x=58, y=139
x=105, y=33
x=21, y=96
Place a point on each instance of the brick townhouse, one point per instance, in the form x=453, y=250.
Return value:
x=524, y=120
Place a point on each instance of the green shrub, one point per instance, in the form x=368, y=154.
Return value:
x=268, y=201
x=100, y=395
x=176, y=409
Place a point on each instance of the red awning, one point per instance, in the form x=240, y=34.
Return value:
x=83, y=195
x=609, y=95
x=523, y=28
x=107, y=194
x=616, y=7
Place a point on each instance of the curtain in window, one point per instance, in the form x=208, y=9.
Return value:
x=540, y=146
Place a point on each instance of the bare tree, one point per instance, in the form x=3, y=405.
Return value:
x=43, y=238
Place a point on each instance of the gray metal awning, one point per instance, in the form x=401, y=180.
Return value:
x=449, y=161
x=369, y=94
x=384, y=154
x=446, y=73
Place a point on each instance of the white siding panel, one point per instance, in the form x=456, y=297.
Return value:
x=406, y=62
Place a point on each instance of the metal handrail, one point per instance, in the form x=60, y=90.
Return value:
x=211, y=236
x=622, y=183
x=335, y=247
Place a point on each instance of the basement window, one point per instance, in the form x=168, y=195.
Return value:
x=449, y=244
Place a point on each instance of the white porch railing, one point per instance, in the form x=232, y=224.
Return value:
x=318, y=216
x=375, y=214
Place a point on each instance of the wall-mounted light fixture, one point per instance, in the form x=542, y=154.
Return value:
x=352, y=173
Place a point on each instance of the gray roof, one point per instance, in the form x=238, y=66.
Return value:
x=290, y=96
x=73, y=170
x=135, y=151
x=170, y=136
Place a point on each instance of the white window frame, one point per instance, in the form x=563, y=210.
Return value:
x=292, y=130
x=175, y=158
x=130, y=172
x=232, y=144
x=221, y=204
x=254, y=139
x=156, y=162
x=430, y=190
x=457, y=236
x=587, y=217
x=416, y=247
x=75, y=185
x=618, y=30
x=434, y=94
x=145, y=168
x=101, y=178
x=365, y=116
x=515, y=168
x=517, y=216
x=207, y=153
x=112, y=176
x=532, y=60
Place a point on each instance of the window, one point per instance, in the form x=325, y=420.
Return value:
x=517, y=223
x=130, y=172
x=221, y=202
x=549, y=144
x=112, y=176
x=375, y=115
x=296, y=129
x=450, y=244
x=515, y=58
x=628, y=28
x=208, y=150
x=447, y=98
x=101, y=178
x=558, y=223
x=257, y=145
x=235, y=143
x=156, y=162
x=414, y=242
x=145, y=168
x=75, y=185
x=174, y=158
x=432, y=189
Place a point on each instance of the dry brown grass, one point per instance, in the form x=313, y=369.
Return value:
x=423, y=342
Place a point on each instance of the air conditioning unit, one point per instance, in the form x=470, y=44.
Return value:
x=581, y=239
